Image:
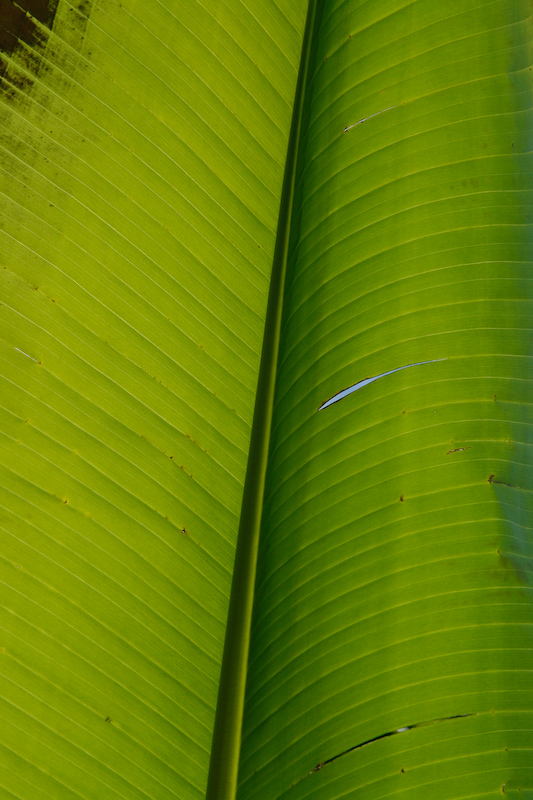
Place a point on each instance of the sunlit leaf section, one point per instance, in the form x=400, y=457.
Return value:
x=142, y=149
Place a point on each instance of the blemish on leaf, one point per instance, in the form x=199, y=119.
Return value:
x=502, y=483
x=365, y=119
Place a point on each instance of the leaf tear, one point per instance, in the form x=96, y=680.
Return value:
x=27, y=356
x=366, y=381
x=349, y=127
x=322, y=764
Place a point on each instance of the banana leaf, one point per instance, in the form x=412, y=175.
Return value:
x=266, y=409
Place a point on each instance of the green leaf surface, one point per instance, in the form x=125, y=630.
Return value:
x=164, y=167
x=394, y=572
x=143, y=149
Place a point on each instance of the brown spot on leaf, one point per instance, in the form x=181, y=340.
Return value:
x=84, y=7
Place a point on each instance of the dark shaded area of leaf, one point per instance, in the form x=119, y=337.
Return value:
x=19, y=22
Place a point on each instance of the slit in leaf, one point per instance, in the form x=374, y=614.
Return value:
x=348, y=127
x=25, y=354
x=366, y=381
x=322, y=764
